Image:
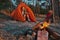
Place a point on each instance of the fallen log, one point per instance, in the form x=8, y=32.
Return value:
x=53, y=34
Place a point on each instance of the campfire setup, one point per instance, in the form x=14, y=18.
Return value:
x=44, y=32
